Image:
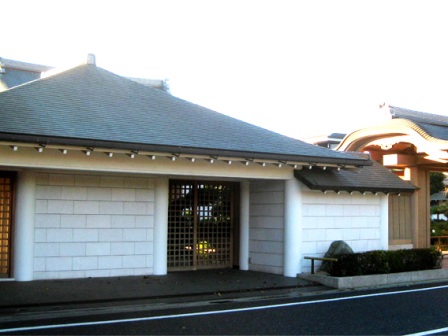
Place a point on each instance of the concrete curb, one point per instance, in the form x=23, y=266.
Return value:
x=375, y=280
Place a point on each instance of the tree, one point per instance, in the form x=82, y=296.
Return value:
x=439, y=210
x=436, y=182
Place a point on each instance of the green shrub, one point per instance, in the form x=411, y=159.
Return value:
x=439, y=228
x=383, y=262
x=374, y=262
x=347, y=265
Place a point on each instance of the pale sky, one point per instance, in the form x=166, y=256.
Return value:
x=300, y=68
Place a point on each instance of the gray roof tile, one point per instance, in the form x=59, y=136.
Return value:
x=374, y=178
x=88, y=105
x=433, y=124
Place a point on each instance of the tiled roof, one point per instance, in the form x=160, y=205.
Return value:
x=90, y=106
x=13, y=77
x=439, y=196
x=374, y=178
x=433, y=124
x=16, y=73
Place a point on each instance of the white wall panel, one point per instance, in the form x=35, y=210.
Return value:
x=88, y=225
x=356, y=219
x=266, y=226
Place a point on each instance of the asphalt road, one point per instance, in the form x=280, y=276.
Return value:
x=395, y=311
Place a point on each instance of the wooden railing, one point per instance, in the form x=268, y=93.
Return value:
x=321, y=259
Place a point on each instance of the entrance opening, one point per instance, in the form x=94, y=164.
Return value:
x=6, y=200
x=438, y=186
x=200, y=225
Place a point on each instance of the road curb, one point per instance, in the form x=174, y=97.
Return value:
x=377, y=280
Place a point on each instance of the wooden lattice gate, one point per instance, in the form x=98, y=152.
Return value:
x=6, y=200
x=200, y=225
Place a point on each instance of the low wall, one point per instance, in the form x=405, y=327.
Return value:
x=376, y=280
x=356, y=219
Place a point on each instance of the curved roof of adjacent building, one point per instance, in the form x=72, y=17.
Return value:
x=436, y=126
x=90, y=106
x=429, y=127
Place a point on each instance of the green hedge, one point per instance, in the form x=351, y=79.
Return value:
x=382, y=262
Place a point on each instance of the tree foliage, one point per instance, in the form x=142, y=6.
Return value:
x=436, y=182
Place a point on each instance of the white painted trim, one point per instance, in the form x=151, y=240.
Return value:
x=23, y=258
x=28, y=157
x=293, y=228
x=161, y=225
x=384, y=229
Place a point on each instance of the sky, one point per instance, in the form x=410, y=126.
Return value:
x=299, y=68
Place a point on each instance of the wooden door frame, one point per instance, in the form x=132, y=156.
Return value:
x=13, y=177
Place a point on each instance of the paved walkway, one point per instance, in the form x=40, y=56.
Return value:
x=213, y=284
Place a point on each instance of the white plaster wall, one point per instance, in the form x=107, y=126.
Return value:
x=93, y=226
x=266, y=226
x=356, y=219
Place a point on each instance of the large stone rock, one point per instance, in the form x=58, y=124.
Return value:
x=336, y=248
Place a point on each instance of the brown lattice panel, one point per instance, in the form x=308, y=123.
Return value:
x=200, y=225
x=181, y=226
x=5, y=225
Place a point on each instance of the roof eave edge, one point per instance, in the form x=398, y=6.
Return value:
x=324, y=188
x=56, y=141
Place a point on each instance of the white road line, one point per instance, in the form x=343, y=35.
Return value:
x=429, y=332
x=236, y=310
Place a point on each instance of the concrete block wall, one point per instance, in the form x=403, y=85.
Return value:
x=356, y=219
x=93, y=226
x=266, y=226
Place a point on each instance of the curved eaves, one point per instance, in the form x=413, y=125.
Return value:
x=357, y=140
